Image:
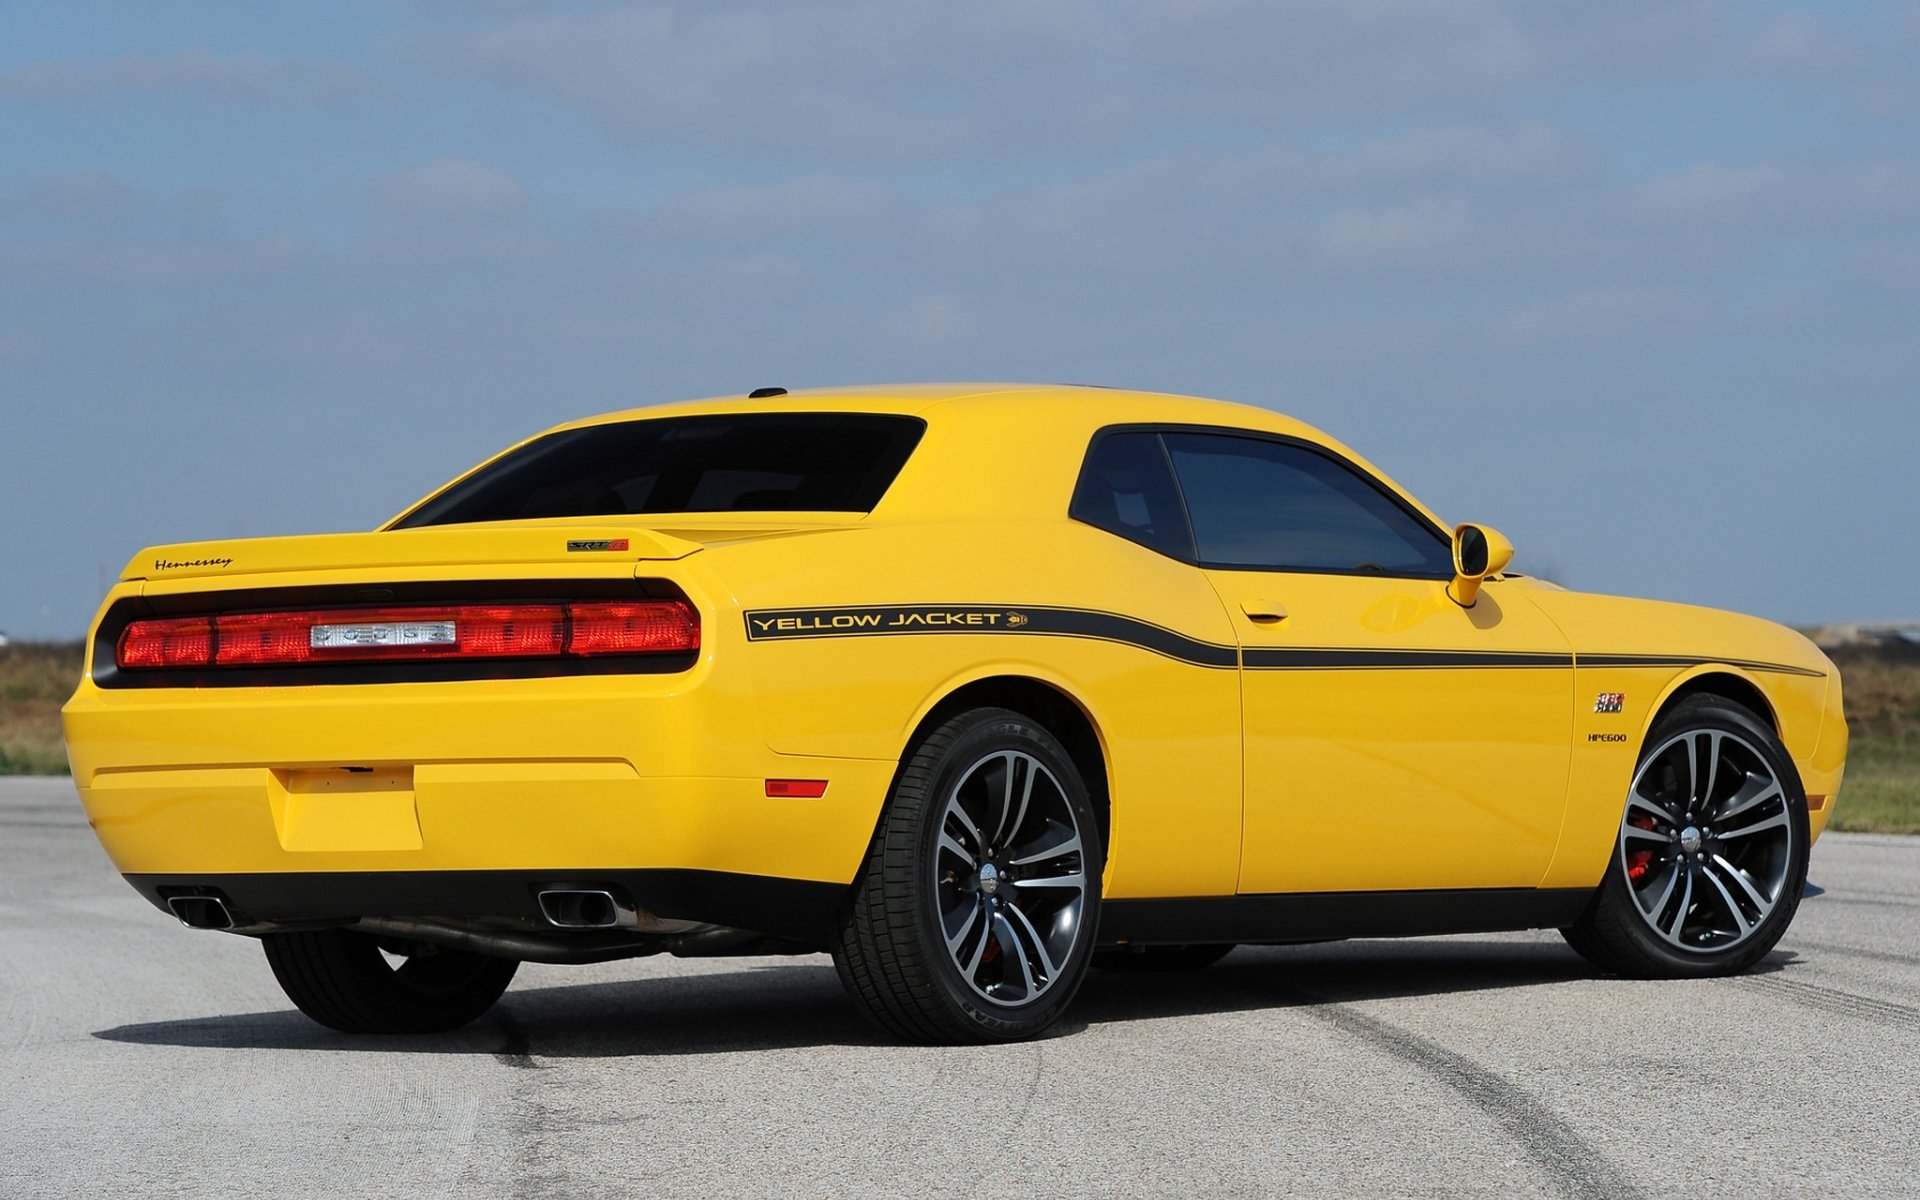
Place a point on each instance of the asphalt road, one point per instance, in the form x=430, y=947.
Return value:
x=141, y=1058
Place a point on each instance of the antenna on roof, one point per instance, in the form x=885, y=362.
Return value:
x=763, y=393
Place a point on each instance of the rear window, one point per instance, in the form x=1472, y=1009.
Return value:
x=754, y=462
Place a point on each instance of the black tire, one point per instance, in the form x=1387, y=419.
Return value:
x=894, y=953
x=1153, y=960
x=1667, y=829
x=340, y=979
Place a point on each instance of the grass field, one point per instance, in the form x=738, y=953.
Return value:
x=1881, y=793
x=35, y=680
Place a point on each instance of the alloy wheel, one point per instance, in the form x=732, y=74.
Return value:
x=1707, y=840
x=1009, y=879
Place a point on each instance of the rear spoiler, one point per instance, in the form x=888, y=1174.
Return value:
x=438, y=546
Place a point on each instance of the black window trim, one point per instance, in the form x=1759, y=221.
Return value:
x=1161, y=428
x=406, y=520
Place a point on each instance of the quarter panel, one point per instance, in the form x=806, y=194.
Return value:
x=1169, y=725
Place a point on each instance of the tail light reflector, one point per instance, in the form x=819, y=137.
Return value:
x=418, y=633
x=796, y=789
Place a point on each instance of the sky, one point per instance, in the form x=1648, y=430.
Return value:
x=1636, y=283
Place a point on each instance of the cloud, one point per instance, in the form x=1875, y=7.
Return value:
x=61, y=233
x=246, y=78
x=802, y=204
x=770, y=79
x=1604, y=314
x=1078, y=79
x=449, y=185
x=1615, y=234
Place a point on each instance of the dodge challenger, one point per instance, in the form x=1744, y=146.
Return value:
x=974, y=687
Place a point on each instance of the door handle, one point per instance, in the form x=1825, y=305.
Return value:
x=1264, y=610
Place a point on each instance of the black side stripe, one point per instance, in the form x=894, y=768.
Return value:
x=1675, y=660
x=777, y=624
x=1336, y=659
x=894, y=620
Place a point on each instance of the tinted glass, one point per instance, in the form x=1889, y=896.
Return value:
x=1126, y=487
x=810, y=462
x=1275, y=505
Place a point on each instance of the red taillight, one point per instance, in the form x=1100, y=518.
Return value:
x=633, y=628
x=184, y=642
x=427, y=632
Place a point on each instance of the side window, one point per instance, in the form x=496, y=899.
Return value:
x=1278, y=506
x=1127, y=488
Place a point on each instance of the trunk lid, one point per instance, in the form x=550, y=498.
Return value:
x=503, y=544
x=564, y=540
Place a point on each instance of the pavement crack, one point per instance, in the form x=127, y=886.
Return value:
x=1033, y=1083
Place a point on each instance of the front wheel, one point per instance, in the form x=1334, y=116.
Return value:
x=1711, y=857
x=356, y=983
x=974, y=916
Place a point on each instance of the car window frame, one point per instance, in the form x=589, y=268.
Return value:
x=411, y=518
x=1161, y=428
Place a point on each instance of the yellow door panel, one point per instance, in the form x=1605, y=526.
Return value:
x=1394, y=739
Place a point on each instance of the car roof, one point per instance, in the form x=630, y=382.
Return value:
x=978, y=416
x=1071, y=404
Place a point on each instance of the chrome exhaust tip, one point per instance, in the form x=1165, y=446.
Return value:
x=584, y=908
x=201, y=912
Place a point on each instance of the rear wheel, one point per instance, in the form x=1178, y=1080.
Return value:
x=344, y=980
x=1711, y=857
x=973, y=918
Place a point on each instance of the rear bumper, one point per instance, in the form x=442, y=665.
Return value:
x=799, y=910
x=564, y=817
x=343, y=793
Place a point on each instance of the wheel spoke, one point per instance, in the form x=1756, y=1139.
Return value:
x=1757, y=790
x=1760, y=903
x=1654, y=910
x=1776, y=821
x=1713, y=770
x=972, y=968
x=1647, y=804
x=958, y=938
x=968, y=826
x=1076, y=881
x=1033, y=772
x=1023, y=925
x=1010, y=949
x=1742, y=925
x=1672, y=928
x=1693, y=771
x=1065, y=846
x=953, y=847
x=1651, y=835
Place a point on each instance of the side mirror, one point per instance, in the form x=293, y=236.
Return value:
x=1477, y=553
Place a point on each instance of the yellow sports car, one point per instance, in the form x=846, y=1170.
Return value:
x=973, y=686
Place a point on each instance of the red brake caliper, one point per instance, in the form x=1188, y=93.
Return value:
x=1639, y=860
